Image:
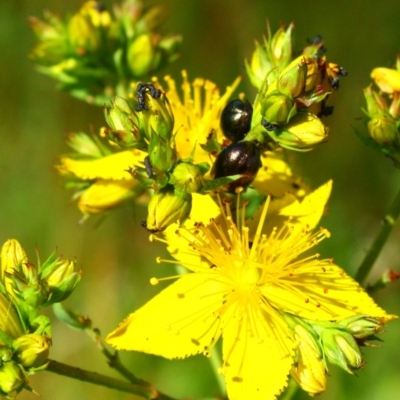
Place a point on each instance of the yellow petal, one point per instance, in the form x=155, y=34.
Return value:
x=197, y=113
x=321, y=291
x=309, y=211
x=387, y=79
x=104, y=195
x=257, y=352
x=203, y=209
x=276, y=177
x=178, y=322
x=306, y=212
x=113, y=167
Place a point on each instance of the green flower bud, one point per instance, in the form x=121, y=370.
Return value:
x=303, y=132
x=166, y=207
x=376, y=104
x=59, y=278
x=186, y=177
x=161, y=155
x=362, y=326
x=142, y=56
x=383, y=129
x=281, y=44
x=275, y=52
x=53, y=42
x=157, y=117
x=277, y=108
x=10, y=323
x=85, y=27
x=124, y=124
x=62, y=281
x=292, y=80
x=12, y=378
x=341, y=349
x=31, y=350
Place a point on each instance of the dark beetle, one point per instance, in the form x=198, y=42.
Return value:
x=236, y=119
x=241, y=158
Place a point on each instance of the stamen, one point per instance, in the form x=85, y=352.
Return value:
x=155, y=281
x=259, y=228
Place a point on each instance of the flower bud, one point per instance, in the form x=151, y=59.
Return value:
x=303, y=132
x=85, y=27
x=123, y=122
x=277, y=108
x=281, y=44
x=309, y=370
x=341, y=349
x=157, y=116
x=12, y=258
x=387, y=79
x=292, y=80
x=162, y=155
x=12, y=378
x=60, y=278
x=141, y=55
x=31, y=350
x=186, y=177
x=383, y=129
x=10, y=323
x=105, y=195
x=275, y=51
x=362, y=326
x=376, y=104
x=166, y=207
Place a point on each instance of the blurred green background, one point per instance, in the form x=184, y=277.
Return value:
x=116, y=258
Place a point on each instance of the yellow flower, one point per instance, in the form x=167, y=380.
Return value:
x=240, y=285
x=197, y=113
x=109, y=184
x=387, y=79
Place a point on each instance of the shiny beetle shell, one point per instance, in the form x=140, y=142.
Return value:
x=241, y=158
x=236, y=119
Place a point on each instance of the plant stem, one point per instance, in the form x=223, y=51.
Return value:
x=146, y=392
x=113, y=358
x=290, y=392
x=216, y=362
x=389, y=221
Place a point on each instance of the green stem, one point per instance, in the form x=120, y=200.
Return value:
x=86, y=376
x=388, y=223
x=291, y=391
x=216, y=362
x=113, y=358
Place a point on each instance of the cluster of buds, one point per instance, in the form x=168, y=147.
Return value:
x=94, y=53
x=335, y=342
x=383, y=111
x=25, y=336
x=152, y=153
x=292, y=92
x=146, y=121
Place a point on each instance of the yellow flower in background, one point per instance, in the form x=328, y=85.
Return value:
x=240, y=285
x=197, y=113
x=387, y=79
x=109, y=184
x=276, y=177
